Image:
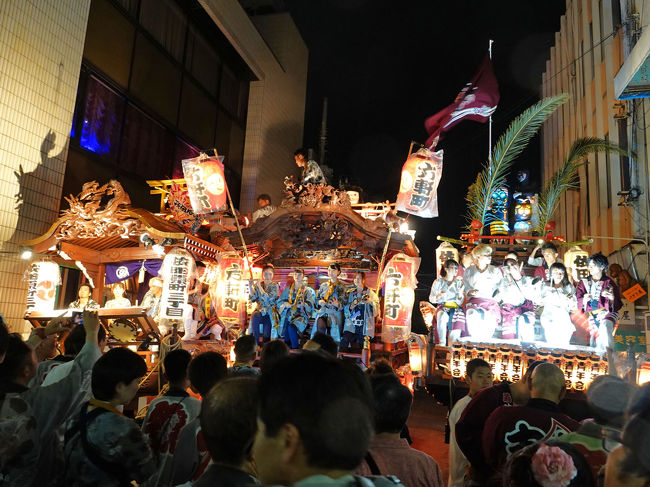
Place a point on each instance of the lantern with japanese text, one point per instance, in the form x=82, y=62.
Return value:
x=230, y=288
x=444, y=252
x=419, y=185
x=177, y=269
x=399, y=294
x=575, y=260
x=206, y=183
x=43, y=278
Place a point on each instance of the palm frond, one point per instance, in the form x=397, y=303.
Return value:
x=566, y=177
x=508, y=147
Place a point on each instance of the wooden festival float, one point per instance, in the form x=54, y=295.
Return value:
x=316, y=226
x=102, y=231
x=510, y=358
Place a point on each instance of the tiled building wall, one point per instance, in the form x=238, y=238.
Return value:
x=586, y=57
x=275, y=52
x=41, y=44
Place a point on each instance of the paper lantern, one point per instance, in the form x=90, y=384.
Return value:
x=177, y=269
x=575, y=260
x=419, y=184
x=206, y=183
x=444, y=252
x=230, y=289
x=43, y=278
x=399, y=294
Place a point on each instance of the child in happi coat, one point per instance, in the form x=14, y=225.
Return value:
x=361, y=308
x=330, y=299
x=447, y=292
x=265, y=320
x=296, y=305
x=481, y=282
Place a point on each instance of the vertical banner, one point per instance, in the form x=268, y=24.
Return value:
x=230, y=288
x=177, y=268
x=206, y=183
x=399, y=294
x=43, y=278
x=419, y=185
x=575, y=260
x=181, y=207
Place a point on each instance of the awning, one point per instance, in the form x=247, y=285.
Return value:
x=633, y=79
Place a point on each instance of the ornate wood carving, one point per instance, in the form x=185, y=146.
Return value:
x=98, y=211
x=314, y=196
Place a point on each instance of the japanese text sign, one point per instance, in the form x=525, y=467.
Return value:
x=230, y=287
x=177, y=269
x=418, y=188
x=634, y=293
x=399, y=295
x=43, y=278
x=206, y=183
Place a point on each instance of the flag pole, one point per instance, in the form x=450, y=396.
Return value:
x=490, y=120
x=241, y=236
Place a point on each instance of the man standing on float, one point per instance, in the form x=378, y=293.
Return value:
x=482, y=280
x=330, y=300
x=311, y=171
x=296, y=305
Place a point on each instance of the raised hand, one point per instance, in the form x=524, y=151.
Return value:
x=91, y=325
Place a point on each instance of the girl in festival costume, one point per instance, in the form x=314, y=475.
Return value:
x=360, y=312
x=118, y=301
x=295, y=308
x=447, y=293
x=598, y=296
x=517, y=309
x=330, y=300
x=266, y=319
x=481, y=282
x=558, y=300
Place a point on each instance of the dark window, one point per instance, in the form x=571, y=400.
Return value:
x=131, y=6
x=624, y=160
x=608, y=174
x=147, y=147
x=155, y=79
x=584, y=73
x=108, y=27
x=601, y=22
x=591, y=50
x=167, y=23
x=183, y=150
x=588, y=212
x=198, y=115
x=222, y=137
x=229, y=91
x=202, y=61
x=102, y=118
x=616, y=13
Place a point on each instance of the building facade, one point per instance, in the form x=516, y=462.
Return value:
x=596, y=60
x=125, y=89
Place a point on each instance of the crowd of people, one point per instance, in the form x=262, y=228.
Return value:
x=487, y=301
x=296, y=419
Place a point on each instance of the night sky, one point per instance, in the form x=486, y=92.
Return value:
x=386, y=65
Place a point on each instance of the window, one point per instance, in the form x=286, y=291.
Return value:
x=147, y=147
x=202, y=61
x=608, y=174
x=624, y=160
x=601, y=22
x=167, y=23
x=155, y=79
x=102, y=118
x=591, y=50
x=229, y=91
x=198, y=115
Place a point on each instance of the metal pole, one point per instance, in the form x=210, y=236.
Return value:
x=490, y=119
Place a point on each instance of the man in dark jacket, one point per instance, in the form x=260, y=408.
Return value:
x=509, y=429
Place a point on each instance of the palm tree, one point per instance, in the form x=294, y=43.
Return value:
x=510, y=145
x=566, y=176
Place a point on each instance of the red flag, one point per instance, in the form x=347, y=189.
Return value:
x=476, y=101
